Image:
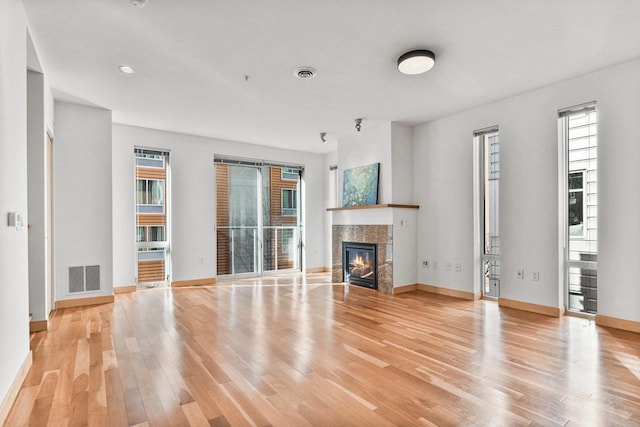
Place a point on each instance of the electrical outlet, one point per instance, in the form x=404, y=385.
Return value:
x=520, y=274
x=448, y=265
x=435, y=264
x=535, y=276
x=458, y=267
x=425, y=263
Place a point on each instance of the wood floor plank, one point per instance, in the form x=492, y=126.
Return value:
x=116, y=408
x=298, y=350
x=22, y=410
x=194, y=415
x=42, y=406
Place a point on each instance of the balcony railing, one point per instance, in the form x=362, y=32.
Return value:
x=240, y=249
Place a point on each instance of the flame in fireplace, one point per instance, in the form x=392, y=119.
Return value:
x=359, y=262
x=360, y=267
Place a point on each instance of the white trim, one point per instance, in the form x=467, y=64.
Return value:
x=245, y=161
x=484, y=131
x=587, y=106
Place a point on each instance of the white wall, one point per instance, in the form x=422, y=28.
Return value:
x=330, y=201
x=443, y=173
x=371, y=145
x=391, y=145
x=82, y=195
x=404, y=246
x=14, y=280
x=49, y=109
x=443, y=189
x=193, y=199
x=401, y=160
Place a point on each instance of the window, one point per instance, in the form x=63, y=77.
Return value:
x=289, y=202
x=488, y=141
x=576, y=204
x=152, y=216
x=290, y=174
x=149, y=160
x=149, y=196
x=150, y=233
x=579, y=183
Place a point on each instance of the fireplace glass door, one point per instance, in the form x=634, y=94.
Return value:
x=359, y=264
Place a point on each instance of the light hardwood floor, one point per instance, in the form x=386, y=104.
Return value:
x=296, y=351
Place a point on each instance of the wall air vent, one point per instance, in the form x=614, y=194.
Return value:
x=84, y=278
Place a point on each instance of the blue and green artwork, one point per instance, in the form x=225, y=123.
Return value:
x=360, y=186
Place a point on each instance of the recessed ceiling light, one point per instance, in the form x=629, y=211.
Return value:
x=305, y=72
x=416, y=62
x=126, y=69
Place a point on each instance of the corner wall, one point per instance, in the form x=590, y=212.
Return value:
x=82, y=196
x=443, y=167
x=401, y=156
x=14, y=269
x=330, y=197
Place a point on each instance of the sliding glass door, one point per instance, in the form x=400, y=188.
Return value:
x=258, y=227
x=238, y=219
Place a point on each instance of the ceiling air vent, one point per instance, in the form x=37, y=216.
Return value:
x=305, y=73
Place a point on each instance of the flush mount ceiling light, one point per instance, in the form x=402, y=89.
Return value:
x=305, y=72
x=126, y=69
x=416, y=62
x=139, y=3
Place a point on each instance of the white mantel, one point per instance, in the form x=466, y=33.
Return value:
x=374, y=214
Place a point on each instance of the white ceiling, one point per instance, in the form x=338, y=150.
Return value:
x=191, y=58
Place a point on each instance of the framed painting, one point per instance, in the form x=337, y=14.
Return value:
x=360, y=186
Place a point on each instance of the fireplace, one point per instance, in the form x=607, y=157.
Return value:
x=359, y=264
